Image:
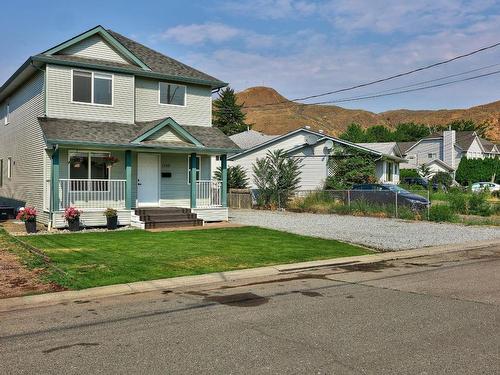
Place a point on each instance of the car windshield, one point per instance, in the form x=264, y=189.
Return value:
x=396, y=189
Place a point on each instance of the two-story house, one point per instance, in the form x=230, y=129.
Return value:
x=443, y=150
x=102, y=121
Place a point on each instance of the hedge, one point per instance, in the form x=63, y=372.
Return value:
x=476, y=170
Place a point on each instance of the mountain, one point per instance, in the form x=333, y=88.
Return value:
x=284, y=117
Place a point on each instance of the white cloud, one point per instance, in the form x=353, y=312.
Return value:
x=200, y=33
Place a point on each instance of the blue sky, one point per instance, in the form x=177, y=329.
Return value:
x=297, y=47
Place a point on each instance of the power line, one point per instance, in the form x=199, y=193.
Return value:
x=386, y=93
x=382, y=79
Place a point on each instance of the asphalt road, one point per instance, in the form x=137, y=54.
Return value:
x=431, y=315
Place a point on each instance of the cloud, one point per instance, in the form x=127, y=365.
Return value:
x=200, y=33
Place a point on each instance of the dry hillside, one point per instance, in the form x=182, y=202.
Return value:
x=278, y=119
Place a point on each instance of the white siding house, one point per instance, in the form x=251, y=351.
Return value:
x=313, y=150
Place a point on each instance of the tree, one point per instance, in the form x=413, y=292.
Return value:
x=443, y=179
x=354, y=133
x=424, y=171
x=277, y=177
x=379, y=133
x=407, y=132
x=227, y=113
x=349, y=167
x=467, y=125
x=477, y=170
x=236, y=177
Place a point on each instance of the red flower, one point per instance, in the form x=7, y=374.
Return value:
x=72, y=213
x=27, y=214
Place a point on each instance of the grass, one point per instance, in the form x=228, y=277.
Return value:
x=96, y=259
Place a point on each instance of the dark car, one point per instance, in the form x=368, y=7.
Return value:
x=421, y=182
x=386, y=194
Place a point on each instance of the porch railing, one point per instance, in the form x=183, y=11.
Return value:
x=91, y=194
x=208, y=193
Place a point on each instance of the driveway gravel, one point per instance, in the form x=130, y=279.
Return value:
x=384, y=234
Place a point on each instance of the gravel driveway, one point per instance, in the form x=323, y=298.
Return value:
x=387, y=234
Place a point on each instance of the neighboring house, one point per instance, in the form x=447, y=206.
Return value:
x=102, y=121
x=313, y=149
x=443, y=150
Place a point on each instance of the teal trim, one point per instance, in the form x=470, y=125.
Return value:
x=215, y=84
x=223, y=164
x=174, y=125
x=55, y=181
x=173, y=149
x=106, y=36
x=128, y=176
x=192, y=166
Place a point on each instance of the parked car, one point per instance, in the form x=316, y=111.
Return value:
x=482, y=186
x=385, y=194
x=420, y=181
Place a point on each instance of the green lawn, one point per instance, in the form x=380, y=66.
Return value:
x=104, y=258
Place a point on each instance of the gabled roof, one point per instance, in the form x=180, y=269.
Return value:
x=321, y=137
x=405, y=146
x=384, y=147
x=65, y=131
x=441, y=163
x=144, y=62
x=250, y=138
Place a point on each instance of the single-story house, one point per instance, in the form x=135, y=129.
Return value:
x=314, y=149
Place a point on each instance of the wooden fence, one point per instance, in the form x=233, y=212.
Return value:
x=239, y=198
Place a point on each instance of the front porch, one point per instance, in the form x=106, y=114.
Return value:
x=93, y=180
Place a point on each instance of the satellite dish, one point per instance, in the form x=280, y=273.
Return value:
x=329, y=144
x=311, y=139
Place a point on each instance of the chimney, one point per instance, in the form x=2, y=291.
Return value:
x=449, y=137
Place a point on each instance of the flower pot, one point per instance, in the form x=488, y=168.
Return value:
x=74, y=225
x=30, y=226
x=112, y=222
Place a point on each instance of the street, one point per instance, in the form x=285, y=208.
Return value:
x=429, y=315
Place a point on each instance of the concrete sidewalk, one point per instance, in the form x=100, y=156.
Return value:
x=32, y=301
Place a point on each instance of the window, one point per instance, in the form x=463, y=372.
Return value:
x=84, y=165
x=432, y=155
x=172, y=94
x=389, y=171
x=92, y=88
x=9, y=168
x=198, y=165
x=7, y=114
x=1, y=172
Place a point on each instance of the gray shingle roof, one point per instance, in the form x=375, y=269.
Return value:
x=404, y=146
x=160, y=63
x=114, y=133
x=250, y=138
x=79, y=59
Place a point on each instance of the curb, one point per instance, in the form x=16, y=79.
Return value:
x=39, y=300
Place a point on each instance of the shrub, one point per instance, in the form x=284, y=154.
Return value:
x=110, y=212
x=350, y=167
x=478, y=204
x=442, y=179
x=277, y=177
x=476, y=170
x=404, y=173
x=236, y=177
x=72, y=213
x=442, y=212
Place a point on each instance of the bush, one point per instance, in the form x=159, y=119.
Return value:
x=476, y=170
x=470, y=203
x=442, y=179
x=442, y=212
x=236, y=177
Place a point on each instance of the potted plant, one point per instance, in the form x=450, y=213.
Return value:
x=76, y=161
x=72, y=216
x=111, y=218
x=28, y=215
x=110, y=160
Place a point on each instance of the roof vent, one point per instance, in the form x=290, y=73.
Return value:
x=307, y=127
x=320, y=131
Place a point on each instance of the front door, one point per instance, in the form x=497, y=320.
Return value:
x=148, y=178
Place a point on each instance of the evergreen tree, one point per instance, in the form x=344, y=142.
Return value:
x=379, y=133
x=227, y=113
x=354, y=133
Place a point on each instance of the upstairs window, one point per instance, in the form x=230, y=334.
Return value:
x=9, y=168
x=92, y=88
x=7, y=114
x=172, y=94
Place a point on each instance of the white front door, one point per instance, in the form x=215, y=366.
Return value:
x=148, y=180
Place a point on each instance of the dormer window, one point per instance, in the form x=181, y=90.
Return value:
x=172, y=94
x=92, y=88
